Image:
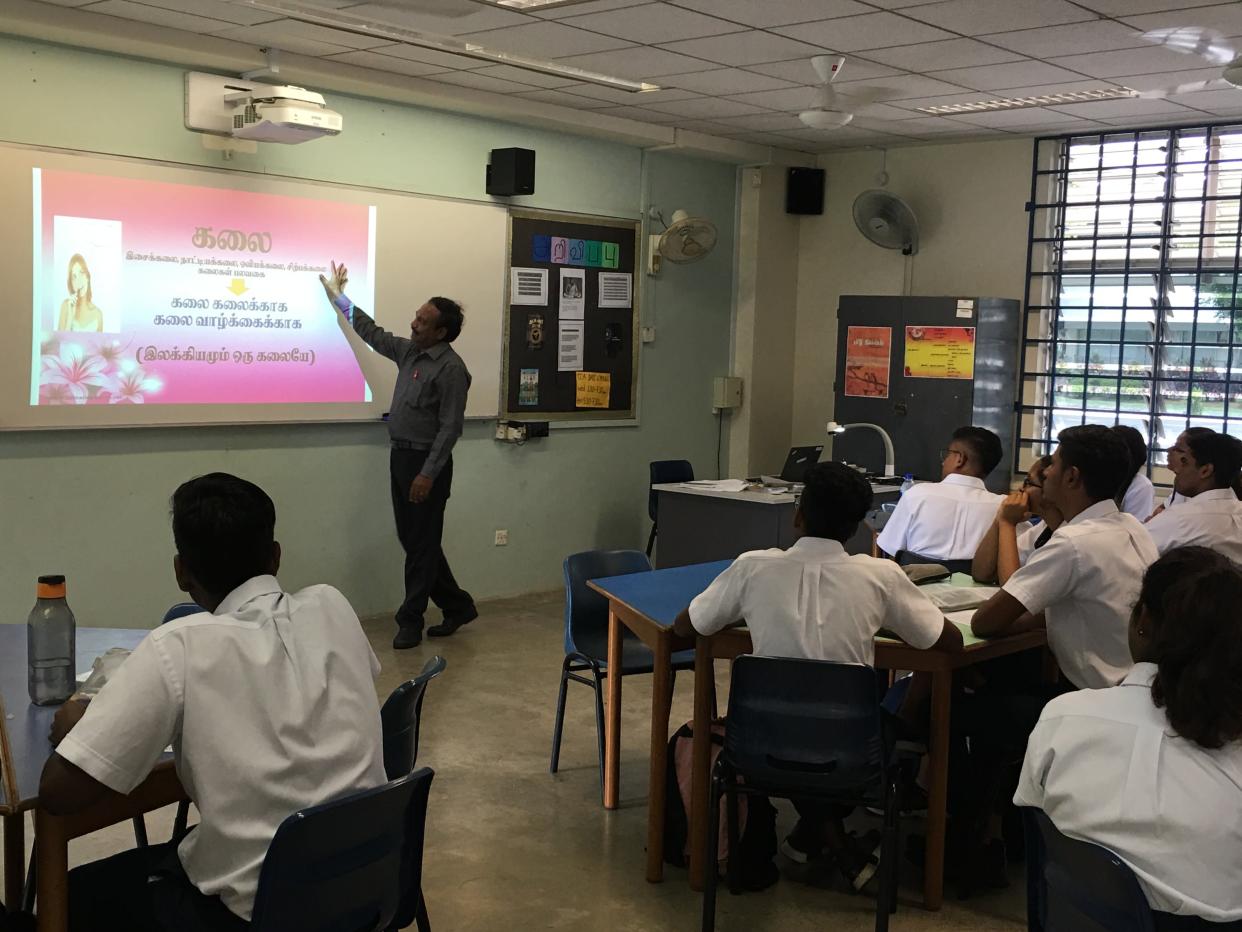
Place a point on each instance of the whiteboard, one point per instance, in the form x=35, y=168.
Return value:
x=423, y=246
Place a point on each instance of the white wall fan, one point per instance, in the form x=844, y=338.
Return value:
x=685, y=239
x=835, y=106
x=1207, y=44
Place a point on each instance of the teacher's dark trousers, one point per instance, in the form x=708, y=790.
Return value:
x=421, y=528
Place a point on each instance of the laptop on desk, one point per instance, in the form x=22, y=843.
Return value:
x=799, y=460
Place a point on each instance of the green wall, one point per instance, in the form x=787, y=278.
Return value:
x=94, y=504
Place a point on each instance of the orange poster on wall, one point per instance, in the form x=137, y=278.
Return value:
x=867, y=354
x=940, y=352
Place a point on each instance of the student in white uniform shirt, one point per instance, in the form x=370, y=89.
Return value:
x=1013, y=537
x=1086, y=578
x=1139, y=498
x=1179, y=458
x=815, y=601
x=943, y=522
x=267, y=697
x=1152, y=769
x=1210, y=514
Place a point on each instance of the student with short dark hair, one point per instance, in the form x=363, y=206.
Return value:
x=1024, y=522
x=945, y=521
x=1086, y=578
x=1152, y=768
x=267, y=697
x=1209, y=514
x=817, y=602
x=1139, y=497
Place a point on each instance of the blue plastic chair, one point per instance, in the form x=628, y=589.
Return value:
x=346, y=865
x=586, y=637
x=803, y=728
x=664, y=471
x=400, y=716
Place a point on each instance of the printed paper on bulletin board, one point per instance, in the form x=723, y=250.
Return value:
x=940, y=352
x=867, y=354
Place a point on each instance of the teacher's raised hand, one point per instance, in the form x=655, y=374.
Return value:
x=334, y=287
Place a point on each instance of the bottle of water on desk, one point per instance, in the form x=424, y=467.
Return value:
x=51, y=644
x=907, y=483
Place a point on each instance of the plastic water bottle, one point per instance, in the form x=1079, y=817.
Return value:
x=51, y=636
x=907, y=482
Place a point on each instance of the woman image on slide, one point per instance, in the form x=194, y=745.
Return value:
x=78, y=311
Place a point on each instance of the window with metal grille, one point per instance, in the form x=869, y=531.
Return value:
x=1133, y=297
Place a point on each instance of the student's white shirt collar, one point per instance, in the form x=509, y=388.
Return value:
x=817, y=548
x=971, y=482
x=1098, y=510
x=1215, y=495
x=1142, y=675
x=251, y=589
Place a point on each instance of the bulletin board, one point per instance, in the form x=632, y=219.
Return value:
x=571, y=320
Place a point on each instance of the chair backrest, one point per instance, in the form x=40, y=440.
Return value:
x=400, y=717
x=804, y=723
x=1077, y=886
x=586, y=611
x=667, y=471
x=345, y=865
x=180, y=610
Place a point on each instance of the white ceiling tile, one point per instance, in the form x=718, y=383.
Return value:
x=877, y=111
x=578, y=9
x=1133, y=107
x=1006, y=119
x=1135, y=7
x=524, y=76
x=484, y=17
x=706, y=108
x=977, y=17
x=871, y=31
x=1014, y=74
x=902, y=86
x=642, y=114
x=563, y=99
x=927, y=126
x=791, y=99
x=936, y=56
x=800, y=70
x=444, y=60
x=617, y=96
x=899, y=4
x=1224, y=17
x=546, y=40
x=1150, y=60
x=724, y=81
x=290, y=36
x=1156, y=119
x=641, y=62
x=1227, y=100
x=745, y=48
x=1152, y=82
x=941, y=100
x=1098, y=36
x=655, y=22
x=173, y=19
x=841, y=134
x=213, y=9
x=775, y=12
x=703, y=126
x=68, y=2
x=479, y=82
x=763, y=122
x=380, y=62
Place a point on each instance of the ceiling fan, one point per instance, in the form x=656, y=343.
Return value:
x=835, y=107
x=1206, y=44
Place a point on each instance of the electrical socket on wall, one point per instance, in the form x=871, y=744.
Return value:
x=502, y=537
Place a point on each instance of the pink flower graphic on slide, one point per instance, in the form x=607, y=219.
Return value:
x=69, y=376
x=132, y=384
x=110, y=352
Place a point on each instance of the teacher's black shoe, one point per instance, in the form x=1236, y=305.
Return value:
x=450, y=625
x=407, y=636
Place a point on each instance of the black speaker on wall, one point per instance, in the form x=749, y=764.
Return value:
x=804, y=191
x=511, y=172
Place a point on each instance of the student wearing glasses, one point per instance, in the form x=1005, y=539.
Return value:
x=943, y=522
x=1013, y=536
x=1209, y=514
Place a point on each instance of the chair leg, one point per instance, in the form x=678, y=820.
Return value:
x=421, y=922
x=32, y=879
x=651, y=540
x=599, y=720
x=709, y=859
x=886, y=900
x=733, y=873
x=180, y=823
x=140, y=831
x=560, y=718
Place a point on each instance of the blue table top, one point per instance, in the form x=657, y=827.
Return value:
x=661, y=594
x=27, y=724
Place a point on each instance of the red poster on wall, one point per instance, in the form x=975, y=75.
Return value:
x=867, y=354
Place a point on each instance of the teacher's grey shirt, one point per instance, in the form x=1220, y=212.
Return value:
x=429, y=402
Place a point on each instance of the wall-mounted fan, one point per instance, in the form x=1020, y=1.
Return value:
x=834, y=107
x=1207, y=44
x=887, y=221
x=686, y=239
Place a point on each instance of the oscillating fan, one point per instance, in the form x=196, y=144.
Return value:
x=887, y=221
x=686, y=239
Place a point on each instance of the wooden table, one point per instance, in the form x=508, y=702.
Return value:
x=24, y=749
x=647, y=603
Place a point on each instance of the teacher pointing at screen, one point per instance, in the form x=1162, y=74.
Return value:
x=425, y=420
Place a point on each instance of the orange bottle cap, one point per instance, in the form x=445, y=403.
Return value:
x=50, y=587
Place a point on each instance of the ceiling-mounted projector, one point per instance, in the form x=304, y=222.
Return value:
x=280, y=113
